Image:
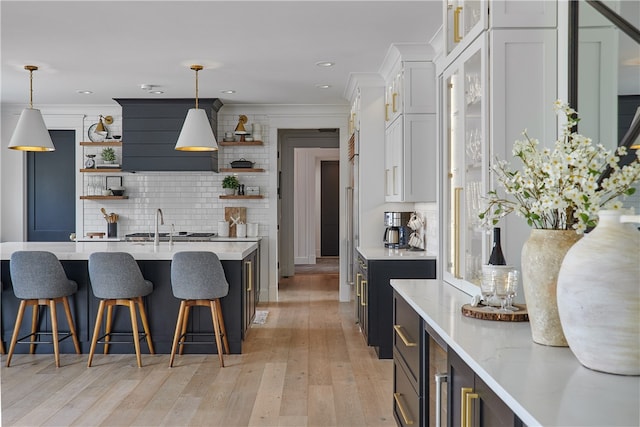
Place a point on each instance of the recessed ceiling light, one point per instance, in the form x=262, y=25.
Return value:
x=156, y=92
x=323, y=86
x=84, y=92
x=325, y=64
x=227, y=91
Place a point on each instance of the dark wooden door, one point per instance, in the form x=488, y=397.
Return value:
x=329, y=207
x=51, y=190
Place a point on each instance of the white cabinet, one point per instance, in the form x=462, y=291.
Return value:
x=465, y=20
x=480, y=122
x=411, y=149
x=411, y=158
x=410, y=89
x=466, y=151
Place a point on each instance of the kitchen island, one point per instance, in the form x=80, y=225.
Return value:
x=239, y=260
x=540, y=385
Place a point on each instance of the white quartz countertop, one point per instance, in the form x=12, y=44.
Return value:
x=382, y=253
x=543, y=386
x=140, y=251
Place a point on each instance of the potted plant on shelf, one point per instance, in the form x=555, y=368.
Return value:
x=108, y=155
x=230, y=183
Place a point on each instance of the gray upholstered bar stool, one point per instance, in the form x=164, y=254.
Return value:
x=198, y=279
x=116, y=280
x=38, y=279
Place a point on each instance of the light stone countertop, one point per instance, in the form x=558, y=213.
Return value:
x=542, y=385
x=382, y=253
x=140, y=251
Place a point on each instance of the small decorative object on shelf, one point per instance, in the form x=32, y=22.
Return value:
x=240, y=129
x=90, y=163
x=230, y=183
x=252, y=191
x=108, y=155
x=98, y=132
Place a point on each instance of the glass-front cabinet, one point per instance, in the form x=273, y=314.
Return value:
x=465, y=128
x=464, y=21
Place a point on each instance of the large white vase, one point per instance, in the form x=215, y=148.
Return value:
x=542, y=255
x=599, y=296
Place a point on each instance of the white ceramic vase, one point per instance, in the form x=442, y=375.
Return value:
x=599, y=296
x=542, y=255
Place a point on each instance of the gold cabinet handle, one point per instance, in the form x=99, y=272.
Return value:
x=249, y=266
x=386, y=112
x=358, y=276
x=400, y=331
x=457, y=38
x=393, y=98
x=386, y=182
x=456, y=232
x=463, y=405
x=469, y=397
x=408, y=421
x=395, y=186
x=363, y=300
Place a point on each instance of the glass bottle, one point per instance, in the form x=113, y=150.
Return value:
x=496, y=257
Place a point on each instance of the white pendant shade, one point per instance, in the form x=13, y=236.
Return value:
x=31, y=133
x=196, y=133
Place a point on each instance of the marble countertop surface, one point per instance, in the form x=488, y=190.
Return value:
x=382, y=253
x=236, y=250
x=543, y=386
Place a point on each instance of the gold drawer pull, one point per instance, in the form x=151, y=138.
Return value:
x=463, y=407
x=400, y=331
x=468, y=405
x=408, y=421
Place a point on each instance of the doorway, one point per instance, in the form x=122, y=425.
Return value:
x=329, y=208
x=297, y=205
x=51, y=203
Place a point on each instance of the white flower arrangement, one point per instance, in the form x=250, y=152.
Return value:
x=560, y=189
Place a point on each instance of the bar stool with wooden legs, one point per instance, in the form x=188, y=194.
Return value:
x=198, y=279
x=1, y=342
x=116, y=280
x=38, y=279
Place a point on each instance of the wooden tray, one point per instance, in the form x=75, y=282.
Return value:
x=94, y=234
x=479, y=313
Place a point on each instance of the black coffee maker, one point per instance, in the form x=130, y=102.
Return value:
x=396, y=233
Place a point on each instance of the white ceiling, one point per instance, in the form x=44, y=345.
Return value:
x=264, y=50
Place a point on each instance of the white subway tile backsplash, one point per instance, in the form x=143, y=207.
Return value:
x=188, y=199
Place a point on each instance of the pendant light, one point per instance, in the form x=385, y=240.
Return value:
x=31, y=133
x=196, y=133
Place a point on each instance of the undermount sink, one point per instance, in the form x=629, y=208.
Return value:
x=182, y=236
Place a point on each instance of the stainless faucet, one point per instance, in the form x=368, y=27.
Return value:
x=156, y=236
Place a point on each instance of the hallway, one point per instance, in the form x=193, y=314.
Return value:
x=307, y=365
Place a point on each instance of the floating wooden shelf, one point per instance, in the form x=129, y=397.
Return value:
x=101, y=170
x=232, y=143
x=241, y=170
x=103, y=197
x=257, y=196
x=102, y=144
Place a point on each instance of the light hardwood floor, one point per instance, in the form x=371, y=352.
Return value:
x=307, y=365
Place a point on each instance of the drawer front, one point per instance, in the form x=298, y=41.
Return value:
x=407, y=333
x=406, y=401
